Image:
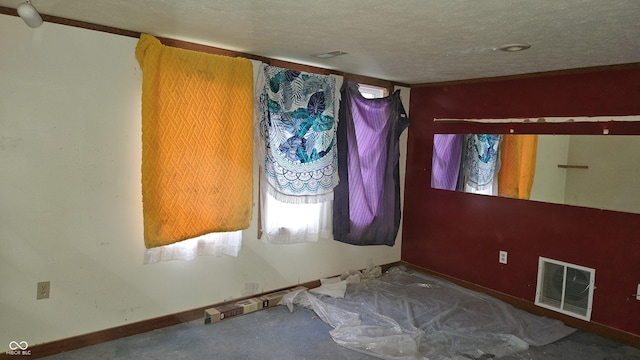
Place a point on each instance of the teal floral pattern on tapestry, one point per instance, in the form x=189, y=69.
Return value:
x=480, y=160
x=298, y=129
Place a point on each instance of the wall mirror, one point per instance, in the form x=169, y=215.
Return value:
x=596, y=171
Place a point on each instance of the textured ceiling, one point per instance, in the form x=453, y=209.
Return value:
x=408, y=41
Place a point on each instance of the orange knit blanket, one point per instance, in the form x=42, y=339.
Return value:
x=197, y=112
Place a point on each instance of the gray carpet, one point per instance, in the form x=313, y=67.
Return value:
x=275, y=333
x=272, y=333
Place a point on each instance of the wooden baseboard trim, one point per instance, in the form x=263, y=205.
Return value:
x=101, y=336
x=590, y=326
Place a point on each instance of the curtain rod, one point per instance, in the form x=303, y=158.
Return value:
x=389, y=85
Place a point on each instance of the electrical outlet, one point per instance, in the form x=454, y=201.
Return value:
x=638, y=293
x=503, y=257
x=43, y=290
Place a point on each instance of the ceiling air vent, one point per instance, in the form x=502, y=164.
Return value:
x=565, y=288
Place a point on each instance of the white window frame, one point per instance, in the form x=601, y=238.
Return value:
x=372, y=91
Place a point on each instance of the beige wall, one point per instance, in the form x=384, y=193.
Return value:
x=611, y=181
x=613, y=178
x=70, y=202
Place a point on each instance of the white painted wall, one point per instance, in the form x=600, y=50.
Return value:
x=70, y=199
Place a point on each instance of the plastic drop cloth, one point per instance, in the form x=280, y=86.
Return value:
x=408, y=315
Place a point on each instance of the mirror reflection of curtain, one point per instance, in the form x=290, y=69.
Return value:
x=445, y=163
x=517, y=165
x=480, y=164
x=487, y=164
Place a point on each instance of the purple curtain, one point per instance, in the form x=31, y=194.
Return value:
x=445, y=164
x=366, y=209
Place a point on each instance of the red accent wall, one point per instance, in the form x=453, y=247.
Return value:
x=460, y=234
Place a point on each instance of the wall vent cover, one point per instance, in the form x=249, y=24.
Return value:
x=566, y=288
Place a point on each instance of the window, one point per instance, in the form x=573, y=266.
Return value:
x=216, y=244
x=285, y=223
x=298, y=157
x=187, y=164
x=372, y=92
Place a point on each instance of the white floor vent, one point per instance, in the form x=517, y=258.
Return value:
x=565, y=288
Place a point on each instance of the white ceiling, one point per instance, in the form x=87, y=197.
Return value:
x=408, y=41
